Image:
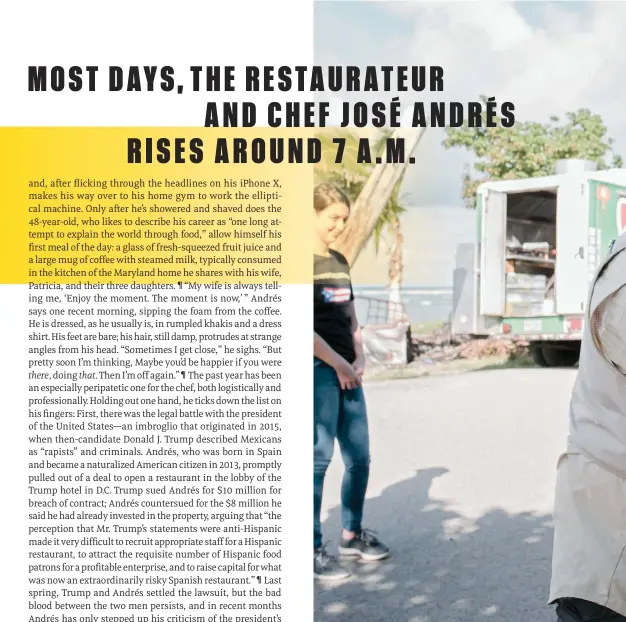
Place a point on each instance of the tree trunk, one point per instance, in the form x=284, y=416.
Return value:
x=372, y=200
x=396, y=267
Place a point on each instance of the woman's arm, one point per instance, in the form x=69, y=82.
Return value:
x=324, y=352
x=348, y=379
x=359, y=363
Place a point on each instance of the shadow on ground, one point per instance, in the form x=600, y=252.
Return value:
x=456, y=366
x=445, y=568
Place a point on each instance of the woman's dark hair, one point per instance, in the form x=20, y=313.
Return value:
x=326, y=194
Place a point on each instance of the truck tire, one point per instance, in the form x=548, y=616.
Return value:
x=547, y=355
x=558, y=357
x=410, y=354
x=536, y=353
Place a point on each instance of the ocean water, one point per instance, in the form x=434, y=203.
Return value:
x=424, y=305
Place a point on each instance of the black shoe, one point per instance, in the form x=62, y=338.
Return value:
x=364, y=545
x=326, y=567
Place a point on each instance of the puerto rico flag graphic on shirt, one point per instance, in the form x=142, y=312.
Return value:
x=334, y=295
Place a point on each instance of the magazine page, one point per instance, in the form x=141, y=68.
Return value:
x=444, y=180
x=156, y=301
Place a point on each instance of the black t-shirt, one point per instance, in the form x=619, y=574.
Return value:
x=332, y=298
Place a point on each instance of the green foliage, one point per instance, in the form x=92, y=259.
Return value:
x=531, y=149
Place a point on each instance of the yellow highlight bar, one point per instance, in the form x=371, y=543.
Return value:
x=74, y=210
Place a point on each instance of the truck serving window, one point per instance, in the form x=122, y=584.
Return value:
x=530, y=258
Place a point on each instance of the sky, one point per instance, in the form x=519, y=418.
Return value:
x=547, y=58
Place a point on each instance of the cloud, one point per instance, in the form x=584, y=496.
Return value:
x=546, y=57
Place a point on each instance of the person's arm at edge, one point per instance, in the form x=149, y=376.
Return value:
x=348, y=378
x=359, y=363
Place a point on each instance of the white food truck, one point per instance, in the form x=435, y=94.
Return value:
x=539, y=242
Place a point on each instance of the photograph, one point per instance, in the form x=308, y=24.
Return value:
x=481, y=475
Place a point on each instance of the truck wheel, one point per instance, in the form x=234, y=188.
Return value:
x=550, y=356
x=536, y=353
x=557, y=357
x=410, y=354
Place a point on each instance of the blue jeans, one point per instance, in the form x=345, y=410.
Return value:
x=339, y=415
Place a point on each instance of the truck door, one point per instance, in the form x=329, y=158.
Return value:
x=572, y=234
x=493, y=248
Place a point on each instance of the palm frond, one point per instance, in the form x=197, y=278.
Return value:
x=351, y=176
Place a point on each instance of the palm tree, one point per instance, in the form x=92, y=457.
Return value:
x=385, y=206
x=350, y=175
x=373, y=198
x=372, y=189
x=390, y=221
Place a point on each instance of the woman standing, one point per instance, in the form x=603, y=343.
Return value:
x=339, y=402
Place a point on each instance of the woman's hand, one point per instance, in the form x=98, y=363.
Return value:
x=359, y=365
x=348, y=378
